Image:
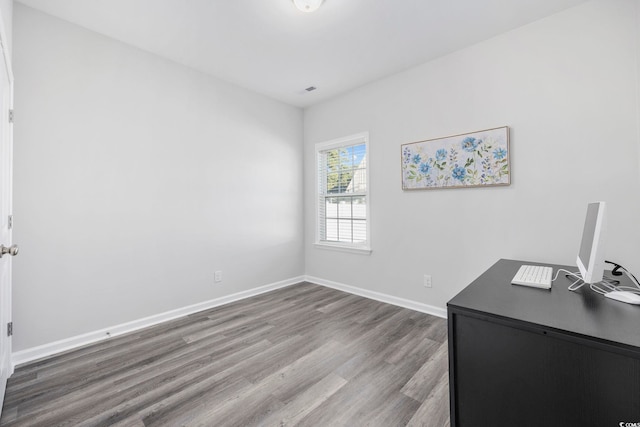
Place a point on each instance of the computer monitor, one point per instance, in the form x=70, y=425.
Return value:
x=591, y=256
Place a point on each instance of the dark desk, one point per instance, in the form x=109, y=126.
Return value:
x=521, y=356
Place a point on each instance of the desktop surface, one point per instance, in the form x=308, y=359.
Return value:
x=529, y=357
x=580, y=313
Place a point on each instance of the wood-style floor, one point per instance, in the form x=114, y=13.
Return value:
x=304, y=355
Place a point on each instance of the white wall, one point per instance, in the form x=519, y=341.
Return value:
x=567, y=88
x=6, y=7
x=637, y=37
x=135, y=179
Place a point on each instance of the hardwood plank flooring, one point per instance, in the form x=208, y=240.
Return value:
x=304, y=355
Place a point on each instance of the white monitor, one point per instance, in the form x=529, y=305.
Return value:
x=591, y=256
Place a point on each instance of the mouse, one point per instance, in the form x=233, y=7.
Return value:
x=624, y=296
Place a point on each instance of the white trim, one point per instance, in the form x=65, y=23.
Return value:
x=340, y=248
x=6, y=51
x=341, y=142
x=45, y=350
x=389, y=299
x=8, y=142
x=358, y=138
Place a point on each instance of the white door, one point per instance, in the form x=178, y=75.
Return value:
x=6, y=173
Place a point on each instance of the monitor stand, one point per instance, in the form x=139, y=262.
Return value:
x=609, y=284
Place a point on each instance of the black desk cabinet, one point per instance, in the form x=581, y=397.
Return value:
x=521, y=356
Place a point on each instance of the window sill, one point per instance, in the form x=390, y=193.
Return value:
x=341, y=248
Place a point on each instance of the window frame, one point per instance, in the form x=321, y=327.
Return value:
x=320, y=193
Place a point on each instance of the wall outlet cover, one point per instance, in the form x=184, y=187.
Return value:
x=427, y=281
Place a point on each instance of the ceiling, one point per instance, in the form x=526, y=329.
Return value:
x=270, y=47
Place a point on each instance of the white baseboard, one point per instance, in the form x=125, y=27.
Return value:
x=389, y=299
x=39, y=352
x=46, y=350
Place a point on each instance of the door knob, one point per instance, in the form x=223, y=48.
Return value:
x=11, y=250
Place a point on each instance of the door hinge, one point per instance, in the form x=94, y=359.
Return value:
x=10, y=116
x=9, y=329
x=10, y=222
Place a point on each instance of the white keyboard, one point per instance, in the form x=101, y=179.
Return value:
x=533, y=275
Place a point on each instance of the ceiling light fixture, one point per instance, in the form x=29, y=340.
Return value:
x=307, y=5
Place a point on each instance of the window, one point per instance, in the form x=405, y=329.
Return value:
x=343, y=194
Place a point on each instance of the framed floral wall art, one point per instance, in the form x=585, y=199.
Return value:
x=469, y=160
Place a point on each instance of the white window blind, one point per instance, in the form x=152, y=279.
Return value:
x=343, y=193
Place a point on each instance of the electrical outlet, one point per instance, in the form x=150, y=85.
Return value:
x=217, y=277
x=427, y=280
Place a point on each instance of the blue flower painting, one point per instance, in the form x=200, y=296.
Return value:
x=406, y=155
x=468, y=160
x=459, y=173
x=499, y=153
x=470, y=144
